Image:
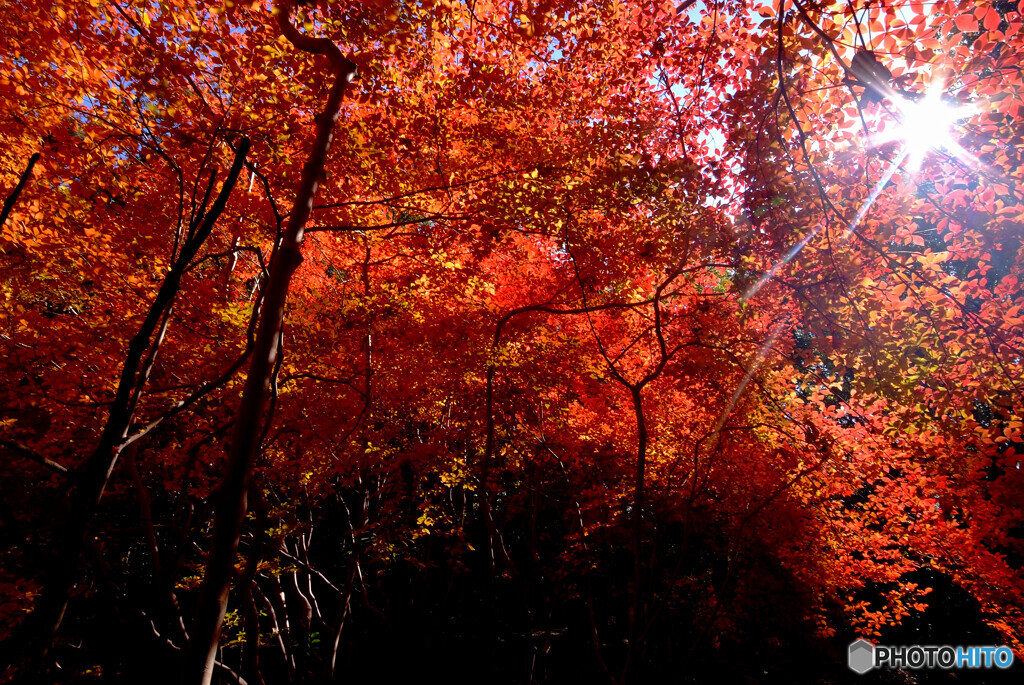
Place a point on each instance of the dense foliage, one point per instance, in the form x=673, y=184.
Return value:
x=529, y=341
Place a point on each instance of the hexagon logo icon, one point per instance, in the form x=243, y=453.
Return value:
x=861, y=656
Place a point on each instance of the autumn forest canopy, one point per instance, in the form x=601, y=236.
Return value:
x=515, y=342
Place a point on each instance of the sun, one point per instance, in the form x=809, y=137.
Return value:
x=928, y=125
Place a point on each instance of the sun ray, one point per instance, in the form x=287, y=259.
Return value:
x=786, y=258
x=875, y=192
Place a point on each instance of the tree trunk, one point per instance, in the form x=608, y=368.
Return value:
x=231, y=502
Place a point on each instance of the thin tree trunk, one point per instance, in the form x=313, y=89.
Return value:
x=34, y=636
x=638, y=608
x=231, y=503
x=251, y=650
